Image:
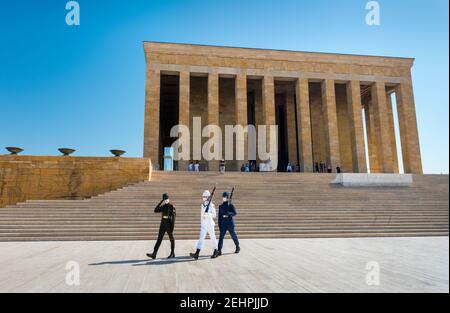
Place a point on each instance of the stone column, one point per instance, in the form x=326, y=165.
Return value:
x=291, y=126
x=151, y=123
x=213, y=111
x=330, y=123
x=268, y=106
x=383, y=142
x=371, y=138
x=241, y=116
x=183, y=113
x=409, y=134
x=268, y=100
x=392, y=133
x=356, y=127
x=304, y=125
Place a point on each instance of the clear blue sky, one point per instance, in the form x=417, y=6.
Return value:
x=83, y=87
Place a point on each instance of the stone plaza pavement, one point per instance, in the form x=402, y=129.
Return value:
x=264, y=265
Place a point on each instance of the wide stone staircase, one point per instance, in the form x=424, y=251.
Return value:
x=270, y=205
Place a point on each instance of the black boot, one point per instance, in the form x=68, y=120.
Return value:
x=152, y=255
x=172, y=255
x=220, y=252
x=195, y=255
x=237, y=249
x=215, y=254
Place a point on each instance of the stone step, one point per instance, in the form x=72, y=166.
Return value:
x=151, y=204
x=239, y=220
x=242, y=207
x=250, y=214
x=246, y=219
x=195, y=228
x=243, y=236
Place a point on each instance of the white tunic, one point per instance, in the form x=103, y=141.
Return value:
x=207, y=225
x=207, y=218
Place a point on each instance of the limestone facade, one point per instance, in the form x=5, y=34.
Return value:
x=320, y=102
x=25, y=177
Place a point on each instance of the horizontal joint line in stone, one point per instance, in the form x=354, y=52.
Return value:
x=171, y=68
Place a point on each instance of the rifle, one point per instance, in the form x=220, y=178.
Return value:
x=231, y=195
x=210, y=199
x=230, y=198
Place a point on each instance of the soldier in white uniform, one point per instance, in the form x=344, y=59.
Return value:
x=207, y=225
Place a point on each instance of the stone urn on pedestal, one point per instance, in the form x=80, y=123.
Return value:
x=117, y=153
x=66, y=151
x=14, y=150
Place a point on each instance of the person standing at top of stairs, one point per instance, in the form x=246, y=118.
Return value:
x=168, y=214
x=208, y=214
x=222, y=166
x=196, y=167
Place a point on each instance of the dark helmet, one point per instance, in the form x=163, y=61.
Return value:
x=225, y=194
x=165, y=196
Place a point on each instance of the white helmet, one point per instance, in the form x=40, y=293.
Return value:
x=206, y=194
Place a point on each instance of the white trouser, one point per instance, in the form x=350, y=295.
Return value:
x=207, y=229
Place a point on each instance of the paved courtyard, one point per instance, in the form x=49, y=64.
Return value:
x=264, y=265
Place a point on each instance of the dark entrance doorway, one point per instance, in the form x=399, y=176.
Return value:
x=168, y=112
x=251, y=113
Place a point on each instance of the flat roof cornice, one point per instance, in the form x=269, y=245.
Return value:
x=271, y=54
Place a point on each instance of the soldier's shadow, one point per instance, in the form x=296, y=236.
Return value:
x=178, y=259
x=117, y=262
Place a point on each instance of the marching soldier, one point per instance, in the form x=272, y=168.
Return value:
x=227, y=211
x=208, y=214
x=168, y=214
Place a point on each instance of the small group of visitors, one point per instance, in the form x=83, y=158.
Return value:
x=321, y=167
x=194, y=167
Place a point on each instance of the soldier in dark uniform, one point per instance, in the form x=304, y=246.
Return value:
x=168, y=214
x=227, y=211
